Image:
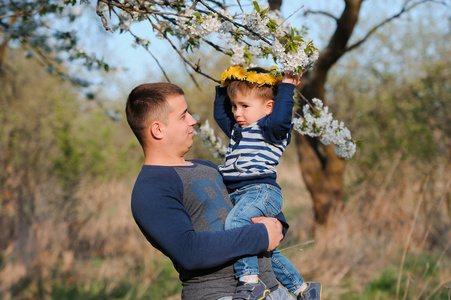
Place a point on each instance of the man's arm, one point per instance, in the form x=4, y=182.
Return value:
x=166, y=224
x=275, y=229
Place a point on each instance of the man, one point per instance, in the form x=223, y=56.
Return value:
x=180, y=206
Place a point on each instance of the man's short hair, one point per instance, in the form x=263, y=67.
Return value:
x=263, y=92
x=147, y=103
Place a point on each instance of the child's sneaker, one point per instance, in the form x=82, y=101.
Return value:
x=312, y=292
x=251, y=291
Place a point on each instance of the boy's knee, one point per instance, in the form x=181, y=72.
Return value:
x=234, y=222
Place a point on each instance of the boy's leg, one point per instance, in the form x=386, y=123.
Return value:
x=252, y=201
x=286, y=273
x=241, y=214
x=289, y=277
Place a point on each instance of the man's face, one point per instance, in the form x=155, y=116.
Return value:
x=179, y=128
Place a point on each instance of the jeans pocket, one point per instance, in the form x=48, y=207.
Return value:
x=273, y=201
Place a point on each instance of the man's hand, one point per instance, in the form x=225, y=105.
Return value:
x=291, y=78
x=274, y=228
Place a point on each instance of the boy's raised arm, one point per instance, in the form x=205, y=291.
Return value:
x=223, y=110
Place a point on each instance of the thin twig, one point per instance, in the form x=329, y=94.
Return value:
x=298, y=245
x=387, y=180
x=302, y=6
x=409, y=236
x=437, y=287
x=403, y=10
x=320, y=13
x=235, y=23
x=306, y=100
x=153, y=56
x=407, y=286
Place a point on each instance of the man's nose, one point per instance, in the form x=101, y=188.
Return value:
x=192, y=121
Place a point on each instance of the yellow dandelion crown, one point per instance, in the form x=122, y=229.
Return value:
x=237, y=72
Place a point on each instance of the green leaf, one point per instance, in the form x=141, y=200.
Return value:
x=272, y=25
x=256, y=6
x=198, y=17
x=168, y=30
x=284, y=38
x=248, y=58
x=71, y=2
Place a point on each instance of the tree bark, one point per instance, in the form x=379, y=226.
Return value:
x=275, y=4
x=321, y=168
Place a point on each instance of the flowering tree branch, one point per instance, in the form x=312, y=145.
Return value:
x=260, y=33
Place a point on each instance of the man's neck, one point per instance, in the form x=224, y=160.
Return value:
x=166, y=161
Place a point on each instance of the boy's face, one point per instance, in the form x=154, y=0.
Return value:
x=249, y=109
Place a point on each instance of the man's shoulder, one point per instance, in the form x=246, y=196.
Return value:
x=155, y=173
x=204, y=163
x=156, y=178
x=159, y=177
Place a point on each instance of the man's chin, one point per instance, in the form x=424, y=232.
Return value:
x=190, y=145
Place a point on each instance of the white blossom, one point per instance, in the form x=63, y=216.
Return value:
x=278, y=49
x=143, y=41
x=209, y=139
x=266, y=26
x=318, y=122
x=257, y=24
x=209, y=25
x=238, y=54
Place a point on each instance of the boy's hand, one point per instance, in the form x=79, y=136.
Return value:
x=292, y=78
x=274, y=228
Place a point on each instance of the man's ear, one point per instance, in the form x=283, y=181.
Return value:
x=268, y=107
x=157, y=130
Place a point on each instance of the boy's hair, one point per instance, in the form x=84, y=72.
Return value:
x=147, y=103
x=264, y=92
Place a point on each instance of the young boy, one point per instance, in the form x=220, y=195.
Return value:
x=254, y=109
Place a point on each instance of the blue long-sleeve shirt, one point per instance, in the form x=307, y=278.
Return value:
x=254, y=151
x=181, y=211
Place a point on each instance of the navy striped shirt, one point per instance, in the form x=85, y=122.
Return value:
x=254, y=151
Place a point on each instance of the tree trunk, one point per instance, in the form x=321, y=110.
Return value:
x=321, y=168
x=323, y=173
x=4, y=44
x=275, y=4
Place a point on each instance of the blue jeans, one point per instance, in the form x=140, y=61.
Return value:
x=258, y=200
x=285, y=272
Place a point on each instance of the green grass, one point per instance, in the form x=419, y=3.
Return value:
x=419, y=280
x=165, y=285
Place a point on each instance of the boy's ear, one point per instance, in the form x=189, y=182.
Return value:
x=268, y=107
x=157, y=130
